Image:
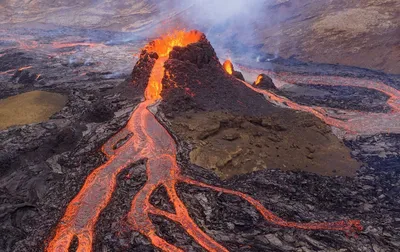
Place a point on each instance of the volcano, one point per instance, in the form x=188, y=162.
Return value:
x=190, y=73
x=184, y=155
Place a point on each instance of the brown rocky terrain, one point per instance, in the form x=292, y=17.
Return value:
x=347, y=32
x=30, y=107
x=356, y=33
x=232, y=145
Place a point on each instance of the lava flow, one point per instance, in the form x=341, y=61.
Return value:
x=151, y=141
x=356, y=122
x=24, y=68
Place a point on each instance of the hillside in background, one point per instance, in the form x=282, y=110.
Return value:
x=347, y=32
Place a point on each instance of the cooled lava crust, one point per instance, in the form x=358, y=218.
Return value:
x=196, y=80
x=36, y=193
x=196, y=89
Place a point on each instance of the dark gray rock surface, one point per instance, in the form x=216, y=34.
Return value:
x=42, y=166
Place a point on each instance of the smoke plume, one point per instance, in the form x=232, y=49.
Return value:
x=231, y=26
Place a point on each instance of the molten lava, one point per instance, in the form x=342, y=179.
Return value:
x=24, y=68
x=356, y=122
x=228, y=66
x=11, y=71
x=163, y=47
x=258, y=80
x=151, y=141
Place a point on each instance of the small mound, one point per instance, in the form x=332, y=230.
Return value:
x=264, y=82
x=30, y=107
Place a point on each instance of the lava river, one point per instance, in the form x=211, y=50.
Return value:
x=150, y=141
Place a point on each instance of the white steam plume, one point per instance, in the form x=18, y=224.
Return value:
x=229, y=25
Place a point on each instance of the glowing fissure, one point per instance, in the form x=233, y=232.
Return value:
x=24, y=68
x=150, y=141
x=354, y=122
x=11, y=71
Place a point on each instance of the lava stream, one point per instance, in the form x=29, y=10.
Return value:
x=24, y=68
x=11, y=71
x=357, y=122
x=151, y=141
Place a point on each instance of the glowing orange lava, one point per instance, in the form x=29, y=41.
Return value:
x=151, y=141
x=8, y=72
x=24, y=68
x=162, y=47
x=258, y=80
x=228, y=66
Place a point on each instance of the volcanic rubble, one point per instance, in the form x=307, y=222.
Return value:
x=43, y=165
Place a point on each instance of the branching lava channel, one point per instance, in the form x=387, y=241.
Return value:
x=152, y=142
